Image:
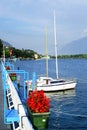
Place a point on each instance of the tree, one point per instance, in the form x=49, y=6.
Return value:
x=1, y=48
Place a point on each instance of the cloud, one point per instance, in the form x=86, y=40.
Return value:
x=84, y=32
x=27, y=19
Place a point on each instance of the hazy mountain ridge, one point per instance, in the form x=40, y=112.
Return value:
x=78, y=46
x=6, y=43
x=75, y=47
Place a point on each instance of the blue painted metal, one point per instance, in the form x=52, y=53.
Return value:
x=10, y=65
x=5, y=105
x=25, y=77
x=11, y=116
x=4, y=87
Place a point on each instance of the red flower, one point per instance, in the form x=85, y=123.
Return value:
x=12, y=74
x=37, y=102
x=7, y=67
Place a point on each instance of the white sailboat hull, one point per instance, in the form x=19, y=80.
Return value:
x=57, y=87
x=51, y=85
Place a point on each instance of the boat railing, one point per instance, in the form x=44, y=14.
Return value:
x=17, y=118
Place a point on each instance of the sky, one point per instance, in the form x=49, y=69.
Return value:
x=23, y=23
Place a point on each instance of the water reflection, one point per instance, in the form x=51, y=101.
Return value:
x=62, y=93
x=58, y=101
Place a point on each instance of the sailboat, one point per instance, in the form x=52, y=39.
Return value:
x=49, y=84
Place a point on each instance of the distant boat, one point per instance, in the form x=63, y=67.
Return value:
x=45, y=57
x=49, y=84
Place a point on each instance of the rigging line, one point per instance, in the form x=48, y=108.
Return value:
x=78, y=79
x=65, y=75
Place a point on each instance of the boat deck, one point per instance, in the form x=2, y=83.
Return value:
x=2, y=125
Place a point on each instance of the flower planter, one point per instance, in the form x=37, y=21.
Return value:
x=39, y=120
x=7, y=67
x=13, y=78
x=38, y=109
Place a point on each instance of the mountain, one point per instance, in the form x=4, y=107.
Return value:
x=6, y=43
x=75, y=47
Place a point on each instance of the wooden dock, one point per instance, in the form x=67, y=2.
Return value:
x=2, y=125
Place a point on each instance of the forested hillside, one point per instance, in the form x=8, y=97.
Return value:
x=12, y=51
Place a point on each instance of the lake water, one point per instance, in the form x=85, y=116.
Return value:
x=68, y=108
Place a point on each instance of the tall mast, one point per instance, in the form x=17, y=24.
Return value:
x=46, y=52
x=55, y=45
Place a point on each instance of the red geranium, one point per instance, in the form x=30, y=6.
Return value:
x=12, y=74
x=37, y=102
x=7, y=67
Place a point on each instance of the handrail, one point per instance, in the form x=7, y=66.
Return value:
x=22, y=120
x=16, y=101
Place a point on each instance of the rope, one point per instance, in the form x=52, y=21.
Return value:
x=78, y=79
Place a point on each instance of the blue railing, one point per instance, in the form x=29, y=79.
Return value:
x=12, y=112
